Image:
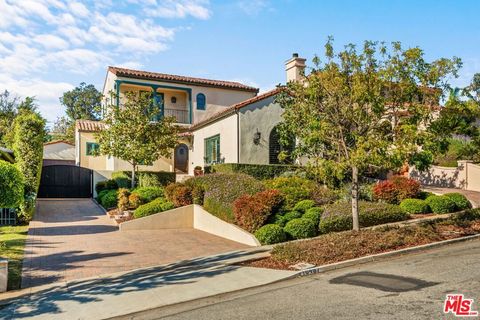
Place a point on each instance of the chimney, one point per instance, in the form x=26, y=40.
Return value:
x=295, y=68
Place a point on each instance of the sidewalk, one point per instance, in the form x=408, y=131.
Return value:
x=118, y=294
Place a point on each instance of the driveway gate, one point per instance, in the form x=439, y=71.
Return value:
x=64, y=181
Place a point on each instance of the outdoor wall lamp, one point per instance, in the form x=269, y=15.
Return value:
x=256, y=137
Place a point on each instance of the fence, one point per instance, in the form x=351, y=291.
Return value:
x=465, y=176
x=7, y=216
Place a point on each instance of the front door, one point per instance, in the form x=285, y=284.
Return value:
x=181, y=158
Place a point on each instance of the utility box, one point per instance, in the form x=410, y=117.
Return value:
x=3, y=275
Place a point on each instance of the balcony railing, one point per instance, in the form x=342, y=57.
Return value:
x=182, y=116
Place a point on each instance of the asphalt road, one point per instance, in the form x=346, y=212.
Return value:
x=408, y=287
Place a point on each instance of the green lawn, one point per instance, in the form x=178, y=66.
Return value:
x=12, y=243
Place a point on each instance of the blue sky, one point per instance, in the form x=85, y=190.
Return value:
x=50, y=46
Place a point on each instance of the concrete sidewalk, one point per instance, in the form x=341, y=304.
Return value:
x=107, y=296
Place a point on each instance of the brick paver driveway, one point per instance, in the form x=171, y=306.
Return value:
x=73, y=238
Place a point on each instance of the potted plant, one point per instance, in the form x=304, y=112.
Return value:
x=198, y=171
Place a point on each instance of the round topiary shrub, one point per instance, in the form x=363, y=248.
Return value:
x=270, y=234
x=460, y=200
x=109, y=200
x=414, y=206
x=277, y=219
x=155, y=206
x=300, y=228
x=304, y=205
x=441, y=204
x=289, y=216
x=313, y=214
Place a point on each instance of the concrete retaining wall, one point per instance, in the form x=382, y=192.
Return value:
x=3, y=275
x=192, y=216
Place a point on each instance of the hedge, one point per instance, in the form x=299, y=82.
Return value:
x=152, y=178
x=156, y=206
x=121, y=179
x=147, y=194
x=109, y=199
x=11, y=185
x=460, y=200
x=259, y=171
x=300, y=228
x=106, y=185
x=414, y=206
x=294, y=189
x=441, y=204
x=304, y=205
x=289, y=216
x=313, y=214
x=338, y=217
x=270, y=234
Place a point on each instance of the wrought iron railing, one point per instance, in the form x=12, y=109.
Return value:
x=182, y=116
x=7, y=217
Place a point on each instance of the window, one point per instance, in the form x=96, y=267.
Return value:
x=201, y=101
x=276, y=147
x=92, y=147
x=212, y=150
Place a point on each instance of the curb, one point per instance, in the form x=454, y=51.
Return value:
x=379, y=256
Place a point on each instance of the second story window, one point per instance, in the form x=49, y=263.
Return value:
x=201, y=101
x=92, y=148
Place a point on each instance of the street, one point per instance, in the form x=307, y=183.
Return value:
x=408, y=287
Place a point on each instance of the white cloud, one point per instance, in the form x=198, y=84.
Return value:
x=253, y=7
x=78, y=9
x=49, y=41
x=181, y=9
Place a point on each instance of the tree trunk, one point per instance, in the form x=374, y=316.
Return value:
x=356, y=225
x=133, y=175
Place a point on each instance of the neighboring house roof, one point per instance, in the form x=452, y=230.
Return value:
x=89, y=125
x=57, y=141
x=146, y=75
x=59, y=150
x=7, y=155
x=232, y=109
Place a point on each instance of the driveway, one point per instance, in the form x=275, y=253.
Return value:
x=72, y=239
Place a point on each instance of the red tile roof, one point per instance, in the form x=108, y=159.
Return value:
x=89, y=125
x=232, y=109
x=146, y=75
x=57, y=141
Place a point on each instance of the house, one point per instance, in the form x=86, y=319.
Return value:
x=223, y=121
x=58, y=153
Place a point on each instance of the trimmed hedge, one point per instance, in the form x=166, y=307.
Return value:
x=11, y=185
x=147, y=194
x=109, y=199
x=338, y=217
x=106, y=185
x=121, y=179
x=155, y=206
x=300, y=228
x=460, y=200
x=270, y=234
x=150, y=178
x=259, y=171
x=295, y=189
x=313, y=214
x=414, y=206
x=441, y=204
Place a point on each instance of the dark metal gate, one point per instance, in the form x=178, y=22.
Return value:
x=63, y=181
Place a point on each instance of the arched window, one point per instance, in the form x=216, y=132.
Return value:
x=201, y=101
x=276, y=147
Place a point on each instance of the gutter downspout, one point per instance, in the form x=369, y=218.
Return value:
x=238, y=136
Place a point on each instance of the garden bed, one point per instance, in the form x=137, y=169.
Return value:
x=12, y=244
x=341, y=246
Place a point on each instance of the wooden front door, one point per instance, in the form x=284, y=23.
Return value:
x=181, y=158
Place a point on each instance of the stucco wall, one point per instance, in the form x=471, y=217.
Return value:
x=91, y=162
x=263, y=116
x=227, y=129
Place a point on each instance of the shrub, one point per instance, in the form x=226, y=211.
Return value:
x=147, y=194
x=179, y=194
x=222, y=189
x=424, y=195
x=106, y=185
x=322, y=195
x=460, y=200
x=252, y=211
x=155, y=206
x=441, y=204
x=300, y=228
x=414, y=206
x=396, y=189
x=338, y=216
x=134, y=201
x=278, y=219
x=155, y=179
x=121, y=179
x=11, y=185
x=289, y=216
x=270, y=234
x=365, y=191
x=109, y=199
x=304, y=205
x=294, y=189
x=100, y=195
x=198, y=193
x=313, y=214
x=467, y=215
x=122, y=199
x=258, y=171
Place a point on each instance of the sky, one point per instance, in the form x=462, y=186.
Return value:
x=48, y=47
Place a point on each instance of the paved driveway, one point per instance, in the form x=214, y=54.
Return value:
x=73, y=238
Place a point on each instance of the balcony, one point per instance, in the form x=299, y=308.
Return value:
x=182, y=116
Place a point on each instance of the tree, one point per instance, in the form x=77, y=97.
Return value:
x=63, y=129
x=83, y=102
x=8, y=111
x=131, y=135
x=364, y=109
